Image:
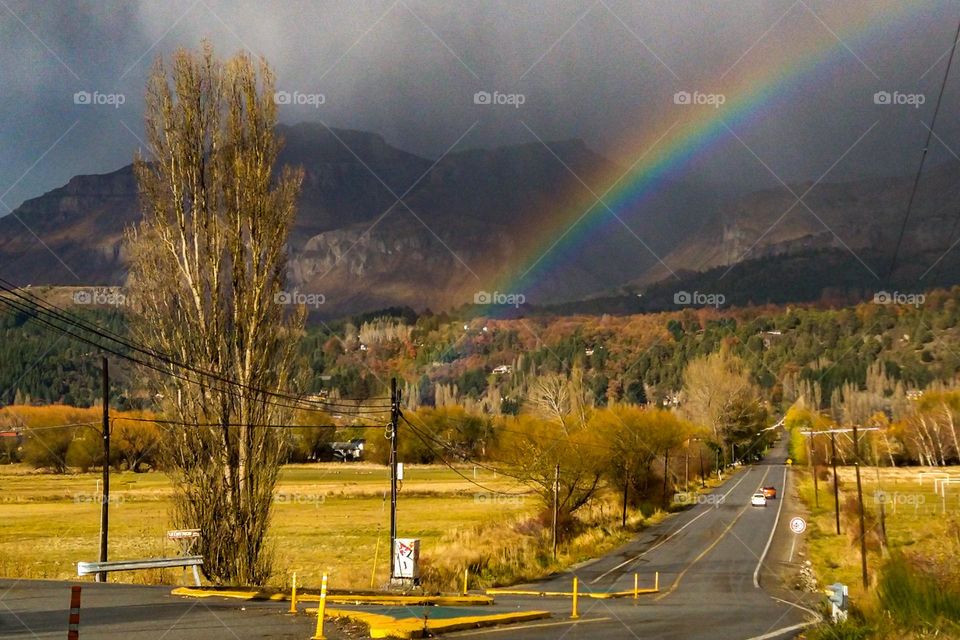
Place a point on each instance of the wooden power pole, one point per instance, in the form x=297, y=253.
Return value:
x=105, y=495
x=863, y=533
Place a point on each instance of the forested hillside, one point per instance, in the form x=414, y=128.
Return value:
x=446, y=359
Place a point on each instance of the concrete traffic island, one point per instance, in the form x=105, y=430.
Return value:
x=411, y=622
x=336, y=597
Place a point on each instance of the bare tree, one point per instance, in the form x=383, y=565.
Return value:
x=208, y=263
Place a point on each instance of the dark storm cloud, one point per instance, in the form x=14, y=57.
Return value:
x=408, y=69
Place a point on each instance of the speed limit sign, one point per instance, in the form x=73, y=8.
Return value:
x=798, y=525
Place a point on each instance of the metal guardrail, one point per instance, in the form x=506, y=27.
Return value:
x=88, y=568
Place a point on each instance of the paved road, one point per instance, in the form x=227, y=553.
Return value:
x=707, y=556
x=37, y=609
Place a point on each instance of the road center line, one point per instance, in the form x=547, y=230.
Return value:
x=766, y=549
x=719, y=539
x=668, y=538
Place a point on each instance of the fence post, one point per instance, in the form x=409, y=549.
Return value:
x=656, y=582
x=636, y=586
x=73, y=622
x=466, y=577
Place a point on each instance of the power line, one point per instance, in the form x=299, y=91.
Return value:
x=449, y=447
x=923, y=156
x=56, y=426
x=73, y=320
x=37, y=310
x=143, y=363
x=423, y=439
x=179, y=423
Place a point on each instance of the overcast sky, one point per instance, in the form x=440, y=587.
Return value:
x=601, y=71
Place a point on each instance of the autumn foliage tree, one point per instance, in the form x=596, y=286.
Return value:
x=208, y=265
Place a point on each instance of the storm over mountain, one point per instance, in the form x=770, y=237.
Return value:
x=378, y=226
x=564, y=149
x=410, y=70
x=353, y=241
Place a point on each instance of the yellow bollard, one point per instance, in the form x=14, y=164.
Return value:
x=636, y=586
x=656, y=582
x=293, y=594
x=574, y=615
x=466, y=577
x=318, y=635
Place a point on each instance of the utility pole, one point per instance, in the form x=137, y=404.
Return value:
x=836, y=486
x=105, y=496
x=882, y=497
x=626, y=495
x=863, y=533
x=394, y=424
x=703, y=480
x=813, y=467
x=556, y=506
x=666, y=468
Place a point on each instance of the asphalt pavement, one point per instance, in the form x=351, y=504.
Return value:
x=712, y=582
x=712, y=585
x=38, y=609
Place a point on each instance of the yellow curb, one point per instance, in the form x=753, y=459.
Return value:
x=569, y=594
x=381, y=626
x=337, y=598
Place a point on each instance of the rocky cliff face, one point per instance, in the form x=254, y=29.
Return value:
x=458, y=225
x=860, y=217
x=354, y=240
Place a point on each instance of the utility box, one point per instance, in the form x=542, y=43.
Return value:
x=839, y=596
x=406, y=560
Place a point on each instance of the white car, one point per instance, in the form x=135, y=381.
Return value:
x=758, y=500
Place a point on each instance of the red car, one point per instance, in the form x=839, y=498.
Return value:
x=770, y=493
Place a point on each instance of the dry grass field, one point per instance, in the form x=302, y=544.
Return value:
x=916, y=518
x=327, y=518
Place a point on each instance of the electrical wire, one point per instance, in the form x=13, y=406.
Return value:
x=426, y=443
x=41, y=314
x=73, y=320
x=449, y=447
x=58, y=426
x=178, y=423
x=923, y=156
x=152, y=366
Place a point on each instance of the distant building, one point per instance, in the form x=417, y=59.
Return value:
x=502, y=369
x=347, y=451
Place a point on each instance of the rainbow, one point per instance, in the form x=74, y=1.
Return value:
x=665, y=151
